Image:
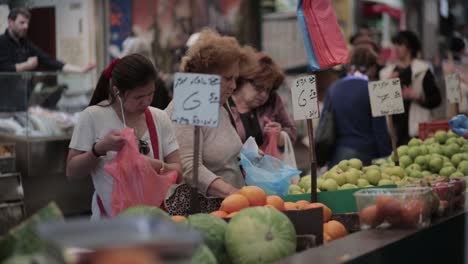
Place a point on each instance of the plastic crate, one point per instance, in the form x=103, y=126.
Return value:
x=8, y=162
x=429, y=128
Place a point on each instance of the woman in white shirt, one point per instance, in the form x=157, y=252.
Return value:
x=123, y=93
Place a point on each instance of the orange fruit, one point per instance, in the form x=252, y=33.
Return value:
x=178, y=218
x=327, y=213
x=231, y=214
x=275, y=201
x=326, y=237
x=219, y=213
x=290, y=206
x=234, y=203
x=255, y=195
x=301, y=204
x=335, y=229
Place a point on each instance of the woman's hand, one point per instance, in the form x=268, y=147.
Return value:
x=408, y=93
x=111, y=142
x=275, y=127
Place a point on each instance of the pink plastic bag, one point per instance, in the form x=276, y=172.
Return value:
x=135, y=181
x=270, y=146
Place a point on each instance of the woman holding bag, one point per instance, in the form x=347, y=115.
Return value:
x=257, y=108
x=121, y=98
x=219, y=172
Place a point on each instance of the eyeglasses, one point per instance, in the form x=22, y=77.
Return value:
x=143, y=147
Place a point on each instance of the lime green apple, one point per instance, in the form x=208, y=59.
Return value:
x=451, y=134
x=294, y=189
x=423, y=150
x=420, y=160
x=457, y=158
x=456, y=174
x=330, y=185
x=373, y=176
x=398, y=171
x=361, y=183
x=351, y=177
x=441, y=136
x=463, y=167
x=385, y=182
x=414, y=142
x=435, y=164
x=451, y=140
x=395, y=178
x=429, y=141
x=447, y=171
x=348, y=186
x=343, y=165
x=405, y=161
x=320, y=182
x=305, y=182
x=426, y=173
x=355, y=163
x=339, y=178
x=413, y=152
x=402, y=150
x=416, y=174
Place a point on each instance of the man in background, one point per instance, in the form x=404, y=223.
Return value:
x=18, y=54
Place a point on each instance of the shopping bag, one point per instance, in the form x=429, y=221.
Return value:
x=267, y=172
x=135, y=182
x=323, y=39
x=270, y=146
x=459, y=125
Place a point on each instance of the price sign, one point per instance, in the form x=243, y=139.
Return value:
x=386, y=98
x=304, y=98
x=452, y=86
x=196, y=99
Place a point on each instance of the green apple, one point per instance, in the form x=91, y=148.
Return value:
x=402, y=150
x=435, y=149
x=423, y=150
x=429, y=141
x=456, y=174
x=343, y=165
x=413, y=152
x=379, y=162
x=398, y=171
x=416, y=174
x=330, y=185
x=461, y=141
x=426, y=173
x=435, y=164
x=348, y=186
x=385, y=182
x=361, y=183
x=395, y=178
x=440, y=136
x=308, y=190
x=355, y=163
x=339, y=178
x=384, y=176
x=366, y=168
x=414, y=167
x=294, y=189
x=305, y=182
x=420, y=160
x=447, y=171
x=320, y=182
x=373, y=176
x=351, y=177
x=405, y=161
x=414, y=142
x=463, y=167
x=451, y=134
x=451, y=140
x=457, y=158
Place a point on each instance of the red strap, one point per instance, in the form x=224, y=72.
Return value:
x=102, y=210
x=152, y=133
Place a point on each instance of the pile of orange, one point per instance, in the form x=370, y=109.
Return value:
x=246, y=197
x=333, y=230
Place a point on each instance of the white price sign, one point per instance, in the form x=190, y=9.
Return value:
x=452, y=86
x=304, y=98
x=196, y=99
x=386, y=98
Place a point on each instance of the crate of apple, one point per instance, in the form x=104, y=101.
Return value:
x=394, y=208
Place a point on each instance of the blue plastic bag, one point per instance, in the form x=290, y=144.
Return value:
x=269, y=173
x=459, y=125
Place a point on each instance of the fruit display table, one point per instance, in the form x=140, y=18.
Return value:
x=442, y=242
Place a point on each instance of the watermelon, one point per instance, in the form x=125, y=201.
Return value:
x=260, y=235
x=145, y=210
x=22, y=239
x=212, y=228
x=203, y=255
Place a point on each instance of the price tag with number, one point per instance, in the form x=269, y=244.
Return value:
x=386, y=98
x=196, y=99
x=304, y=98
x=452, y=86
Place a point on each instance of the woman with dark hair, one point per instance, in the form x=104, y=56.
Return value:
x=357, y=133
x=419, y=89
x=122, y=97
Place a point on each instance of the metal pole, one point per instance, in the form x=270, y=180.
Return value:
x=194, y=203
x=313, y=161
